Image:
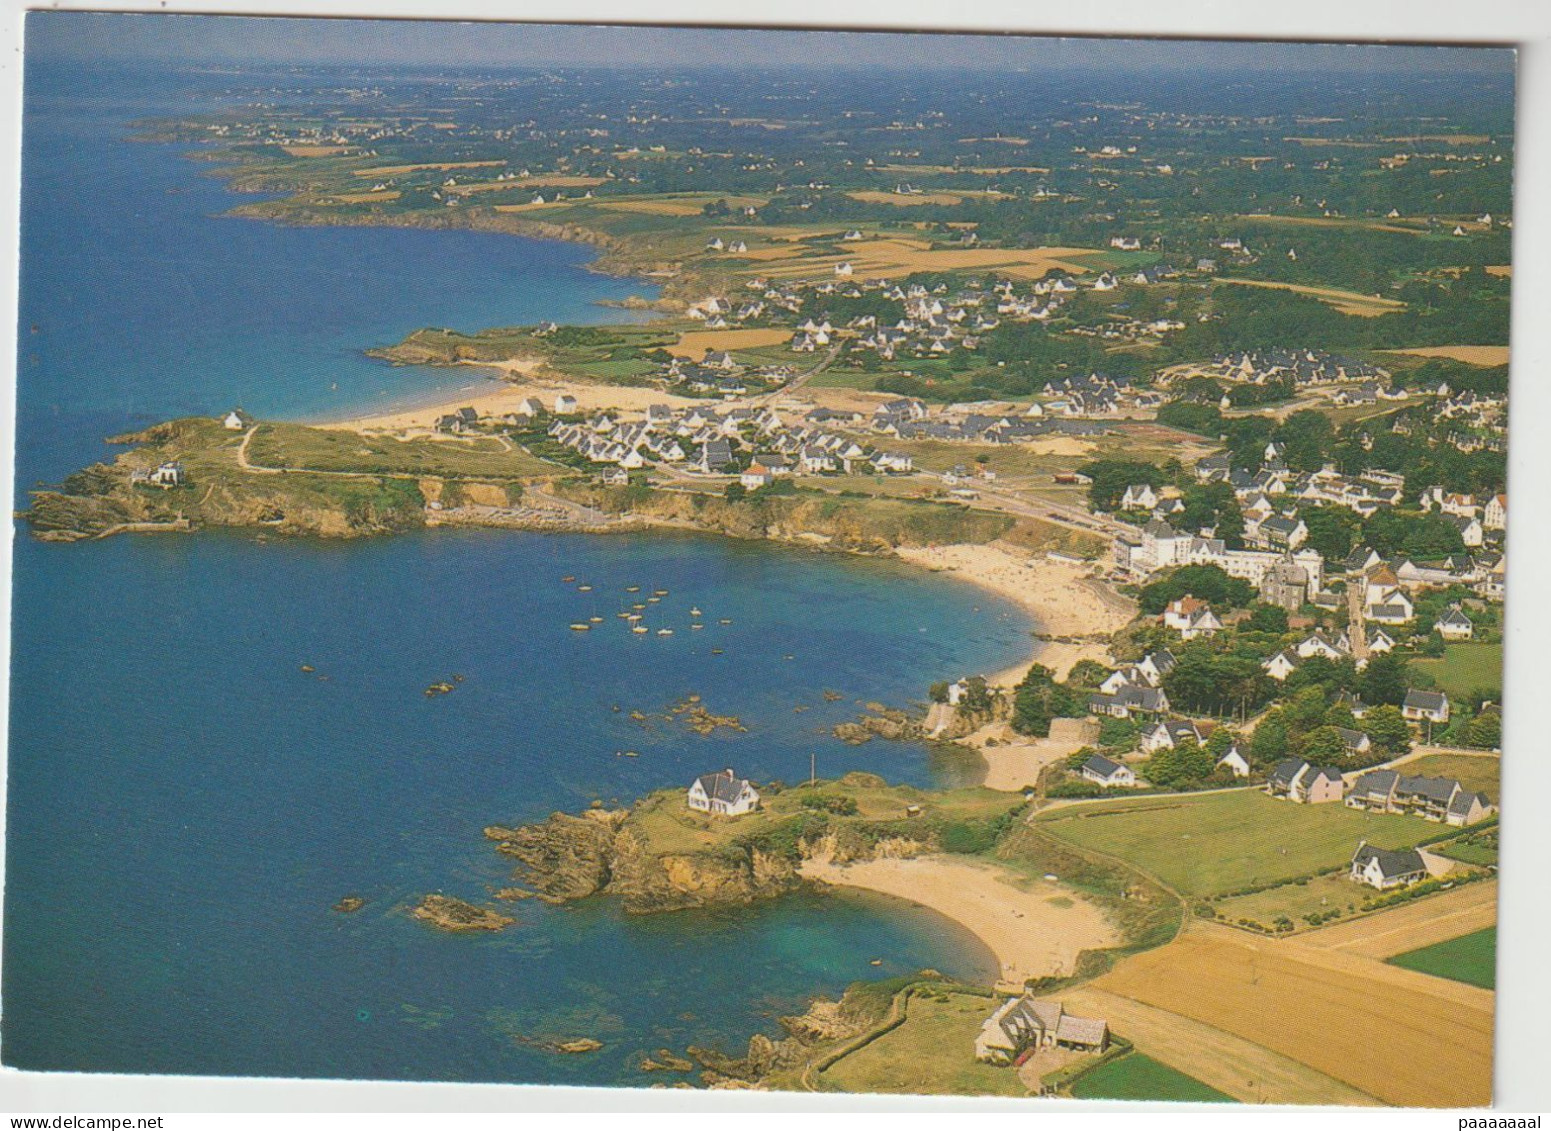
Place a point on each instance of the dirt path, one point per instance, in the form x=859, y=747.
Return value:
x=1248, y=1072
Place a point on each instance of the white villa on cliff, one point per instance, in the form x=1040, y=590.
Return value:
x=722, y=794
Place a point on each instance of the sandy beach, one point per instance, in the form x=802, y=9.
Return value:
x=1034, y=930
x=521, y=378
x=1058, y=594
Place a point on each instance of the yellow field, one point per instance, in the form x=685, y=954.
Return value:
x=531, y=206
x=1347, y=302
x=694, y=343
x=1246, y=1071
x=688, y=204
x=1446, y=139
x=314, y=150
x=903, y=201
x=365, y=197
x=1501, y=270
x=556, y=181
x=394, y=170
x=1335, y=222
x=1412, y=925
x=889, y=258
x=1470, y=355
x=980, y=171
x=1382, y=1030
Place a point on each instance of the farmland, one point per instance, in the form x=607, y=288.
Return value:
x=1320, y=895
x=1358, y=1021
x=1470, y=958
x=1465, y=668
x=1347, y=302
x=1139, y=1077
x=1220, y=842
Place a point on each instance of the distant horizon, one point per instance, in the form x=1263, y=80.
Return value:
x=323, y=41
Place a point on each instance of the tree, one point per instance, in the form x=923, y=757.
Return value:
x=1087, y=673
x=1270, y=740
x=1267, y=618
x=1038, y=699
x=1386, y=728
x=1111, y=477
x=1208, y=582
x=1385, y=680
x=736, y=492
x=1321, y=745
x=1118, y=734
x=1485, y=730
x=1185, y=764
x=1332, y=531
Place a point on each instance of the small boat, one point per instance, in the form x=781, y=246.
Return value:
x=596, y=620
x=664, y=632
x=640, y=628
x=581, y=626
x=695, y=611
x=568, y=578
x=632, y=617
x=876, y=962
x=623, y=616
x=653, y=600
x=632, y=589
x=725, y=620
x=308, y=668
x=697, y=626
x=716, y=651
x=632, y=753
x=584, y=588
x=638, y=608
x=659, y=592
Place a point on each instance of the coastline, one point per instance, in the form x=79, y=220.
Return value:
x=1034, y=931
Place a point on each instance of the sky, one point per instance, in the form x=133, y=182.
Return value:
x=225, y=39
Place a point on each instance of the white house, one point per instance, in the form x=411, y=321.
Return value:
x=1454, y=624
x=1495, y=515
x=722, y=794
x=233, y=421
x=1107, y=773
x=1279, y=666
x=1234, y=759
x=1425, y=706
x=565, y=403
x=1383, y=870
x=1138, y=497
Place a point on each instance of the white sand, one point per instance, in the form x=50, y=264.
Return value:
x=1033, y=930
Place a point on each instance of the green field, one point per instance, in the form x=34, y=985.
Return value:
x=1317, y=896
x=1466, y=667
x=295, y=446
x=1480, y=775
x=1139, y=1077
x=1221, y=842
x=932, y=1053
x=1470, y=958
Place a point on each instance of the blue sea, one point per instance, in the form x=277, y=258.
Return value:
x=185, y=802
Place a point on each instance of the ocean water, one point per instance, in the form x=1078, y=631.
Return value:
x=185, y=803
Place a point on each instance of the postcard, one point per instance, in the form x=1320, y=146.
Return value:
x=748, y=559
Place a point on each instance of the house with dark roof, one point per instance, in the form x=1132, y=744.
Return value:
x=1425, y=706
x=722, y=794
x=1297, y=780
x=1108, y=773
x=1382, y=869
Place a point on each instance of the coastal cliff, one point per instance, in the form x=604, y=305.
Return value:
x=858, y=525
x=659, y=856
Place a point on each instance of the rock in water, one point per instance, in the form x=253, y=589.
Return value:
x=452, y=914
x=349, y=903
x=581, y=1044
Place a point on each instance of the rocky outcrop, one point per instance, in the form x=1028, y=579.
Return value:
x=564, y=857
x=451, y=914
x=881, y=722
